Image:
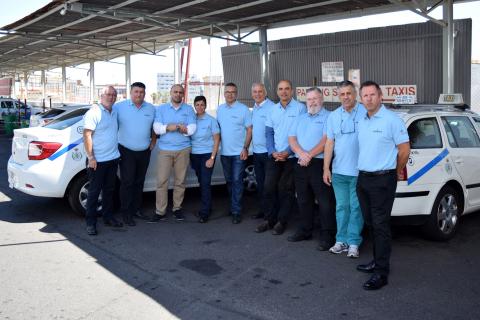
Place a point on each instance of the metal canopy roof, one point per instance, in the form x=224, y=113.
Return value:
x=72, y=32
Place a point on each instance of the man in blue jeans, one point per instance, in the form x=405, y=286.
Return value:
x=235, y=123
x=342, y=140
x=261, y=109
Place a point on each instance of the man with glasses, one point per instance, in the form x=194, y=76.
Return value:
x=136, y=139
x=235, y=123
x=342, y=140
x=307, y=138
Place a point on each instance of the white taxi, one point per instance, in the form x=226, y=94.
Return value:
x=442, y=177
x=49, y=161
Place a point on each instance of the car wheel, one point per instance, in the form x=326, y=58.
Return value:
x=77, y=196
x=443, y=220
x=249, y=180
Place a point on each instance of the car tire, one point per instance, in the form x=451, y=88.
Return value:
x=77, y=195
x=443, y=220
x=250, y=180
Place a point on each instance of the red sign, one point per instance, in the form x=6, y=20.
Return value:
x=6, y=87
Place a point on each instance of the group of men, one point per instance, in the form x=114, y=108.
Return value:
x=341, y=166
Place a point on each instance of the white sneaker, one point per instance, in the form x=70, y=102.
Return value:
x=339, y=247
x=353, y=251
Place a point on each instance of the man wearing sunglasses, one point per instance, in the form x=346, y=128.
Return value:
x=342, y=139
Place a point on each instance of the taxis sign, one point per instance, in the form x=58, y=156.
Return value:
x=454, y=98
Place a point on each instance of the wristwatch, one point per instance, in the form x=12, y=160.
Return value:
x=212, y=157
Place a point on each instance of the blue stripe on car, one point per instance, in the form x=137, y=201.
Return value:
x=65, y=150
x=427, y=167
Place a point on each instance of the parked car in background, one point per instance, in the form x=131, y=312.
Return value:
x=12, y=106
x=48, y=115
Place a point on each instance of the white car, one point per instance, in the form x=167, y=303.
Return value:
x=49, y=161
x=43, y=118
x=442, y=177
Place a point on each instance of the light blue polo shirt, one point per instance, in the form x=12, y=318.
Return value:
x=342, y=127
x=105, y=129
x=134, y=124
x=281, y=119
x=309, y=130
x=165, y=114
x=259, y=117
x=378, y=138
x=233, y=121
x=202, y=139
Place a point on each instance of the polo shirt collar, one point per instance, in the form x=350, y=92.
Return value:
x=321, y=111
x=103, y=108
x=133, y=104
x=379, y=114
x=231, y=105
x=256, y=106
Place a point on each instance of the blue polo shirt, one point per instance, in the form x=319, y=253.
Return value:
x=202, y=139
x=165, y=114
x=281, y=119
x=134, y=124
x=233, y=121
x=309, y=130
x=259, y=117
x=342, y=127
x=105, y=129
x=378, y=138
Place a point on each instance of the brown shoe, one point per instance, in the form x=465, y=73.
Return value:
x=278, y=229
x=264, y=226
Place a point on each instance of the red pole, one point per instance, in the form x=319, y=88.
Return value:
x=187, y=68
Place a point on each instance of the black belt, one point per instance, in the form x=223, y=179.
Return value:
x=377, y=173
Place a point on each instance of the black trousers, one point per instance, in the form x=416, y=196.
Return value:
x=310, y=187
x=133, y=167
x=376, y=195
x=101, y=180
x=279, y=190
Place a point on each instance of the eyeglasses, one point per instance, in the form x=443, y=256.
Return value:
x=348, y=125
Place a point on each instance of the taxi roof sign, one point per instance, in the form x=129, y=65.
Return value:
x=451, y=99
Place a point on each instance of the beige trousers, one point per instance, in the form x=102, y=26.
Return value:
x=166, y=160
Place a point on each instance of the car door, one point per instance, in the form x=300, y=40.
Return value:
x=465, y=150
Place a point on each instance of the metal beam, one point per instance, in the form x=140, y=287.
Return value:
x=44, y=87
x=418, y=10
x=25, y=85
x=128, y=74
x=448, y=48
x=92, y=81
x=64, y=84
x=265, y=74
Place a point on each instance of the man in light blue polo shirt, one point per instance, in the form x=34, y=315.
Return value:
x=307, y=138
x=175, y=122
x=136, y=139
x=100, y=139
x=342, y=140
x=384, y=149
x=261, y=109
x=279, y=192
x=235, y=123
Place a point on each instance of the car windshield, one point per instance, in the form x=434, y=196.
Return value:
x=67, y=120
x=51, y=113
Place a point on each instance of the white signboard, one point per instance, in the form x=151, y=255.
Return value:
x=390, y=92
x=354, y=76
x=404, y=99
x=332, y=71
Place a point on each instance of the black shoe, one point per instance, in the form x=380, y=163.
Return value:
x=324, y=246
x=140, y=215
x=299, y=236
x=264, y=226
x=178, y=215
x=156, y=218
x=129, y=222
x=236, y=219
x=278, y=229
x=203, y=219
x=91, y=230
x=375, y=282
x=258, y=215
x=113, y=223
x=367, y=268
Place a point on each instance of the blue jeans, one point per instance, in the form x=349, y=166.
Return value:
x=204, y=176
x=349, y=216
x=234, y=170
x=260, y=164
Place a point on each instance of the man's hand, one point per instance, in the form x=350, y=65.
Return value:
x=172, y=127
x=244, y=154
x=182, y=128
x=327, y=176
x=280, y=156
x=152, y=145
x=209, y=163
x=92, y=163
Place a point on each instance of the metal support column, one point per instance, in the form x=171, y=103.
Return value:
x=44, y=85
x=177, y=68
x=128, y=75
x=64, y=84
x=15, y=85
x=92, y=81
x=448, y=48
x=265, y=76
x=25, y=85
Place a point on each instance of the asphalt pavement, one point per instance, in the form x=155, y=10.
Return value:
x=51, y=269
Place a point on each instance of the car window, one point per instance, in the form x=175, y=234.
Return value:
x=67, y=120
x=460, y=132
x=477, y=122
x=52, y=113
x=425, y=134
